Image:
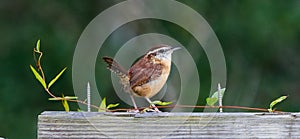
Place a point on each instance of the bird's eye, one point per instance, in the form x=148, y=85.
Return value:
x=161, y=51
x=153, y=54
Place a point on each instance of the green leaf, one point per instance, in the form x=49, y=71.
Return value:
x=62, y=98
x=56, y=98
x=102, y=106
x=276, y=101
x=146, y=109
x=215, y=97
x=112, y=105
x=70, y=97
x=57, y=76
x=216, y=94
x=211, y=101
x=66, y=105
x=38, y=46
x=38, y=77
x=157, y=102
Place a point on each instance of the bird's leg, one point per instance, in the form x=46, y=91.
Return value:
x=155, y=108
x=134, y=104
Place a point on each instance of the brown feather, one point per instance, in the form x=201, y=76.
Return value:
x=115, y=66
x=142, y=72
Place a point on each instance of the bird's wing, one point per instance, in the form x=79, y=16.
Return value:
x=143, y=72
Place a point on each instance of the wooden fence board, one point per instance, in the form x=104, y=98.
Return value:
x=53, y=124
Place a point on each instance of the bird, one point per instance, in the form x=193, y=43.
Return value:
x=146, y=77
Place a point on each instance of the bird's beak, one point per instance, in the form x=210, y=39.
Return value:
x=176, y=48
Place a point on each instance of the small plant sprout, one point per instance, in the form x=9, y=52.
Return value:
x=41, y=77
x=42, y=81
x=276, y=101
x=103, y=107
x=112, y=105
x=37, y=53
x=216, y=97
x=66, y=105
x=64, y=100
x=158, y=102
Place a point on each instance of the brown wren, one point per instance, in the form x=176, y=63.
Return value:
x=148, y=75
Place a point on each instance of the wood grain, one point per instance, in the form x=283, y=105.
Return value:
x=52, y=124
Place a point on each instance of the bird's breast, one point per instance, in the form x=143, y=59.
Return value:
x=153, y=86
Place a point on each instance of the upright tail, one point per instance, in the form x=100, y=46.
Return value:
x=115, y=67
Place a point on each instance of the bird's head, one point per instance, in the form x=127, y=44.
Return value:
x=162, y=52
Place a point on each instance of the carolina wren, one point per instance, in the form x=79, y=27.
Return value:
x=148, y=75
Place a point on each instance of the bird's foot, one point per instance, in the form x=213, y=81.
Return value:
x=151, y=110
x=134, y=111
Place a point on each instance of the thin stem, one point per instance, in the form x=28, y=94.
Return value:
x=71, y=100
x=82, y=102
x=216, y=107
x=48, y=91
x=39, y=67
x=210, y=107
x=173, y=106
x=38, y=63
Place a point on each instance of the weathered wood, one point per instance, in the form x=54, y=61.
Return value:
x=167, y=125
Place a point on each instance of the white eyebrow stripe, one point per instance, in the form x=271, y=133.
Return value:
x=156, y=50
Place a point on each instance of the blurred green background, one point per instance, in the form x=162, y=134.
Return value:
x=260, y=40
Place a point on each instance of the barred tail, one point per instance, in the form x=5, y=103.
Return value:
x=115, y=67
